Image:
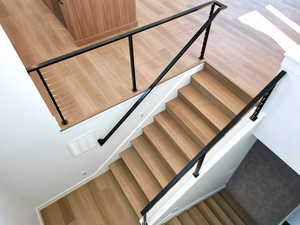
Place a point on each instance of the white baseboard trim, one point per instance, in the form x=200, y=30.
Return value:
x=178, y=212
x=160, y=106
x=39, y=216
x=67, y=191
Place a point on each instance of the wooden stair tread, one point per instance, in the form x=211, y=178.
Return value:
x=237, y=208
x=171, y=154
x=228, y=210
x=186, y=219
x=218, y=211
x=197, y=216
x=191, y=121
x=141, y=173
x=108, y=195
x=178, y=135
x=228, y=83
x=204, y=106
x=207, y=81
x=174, y=221
x=158, y=166
x=129, y=186
x=208, y=214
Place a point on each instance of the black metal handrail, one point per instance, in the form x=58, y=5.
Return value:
x=204, y=27
x=198, y=159
x=130, y=35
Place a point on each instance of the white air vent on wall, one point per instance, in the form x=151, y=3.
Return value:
x=84, y=143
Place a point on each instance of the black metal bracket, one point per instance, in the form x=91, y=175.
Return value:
x=101, y=142
x=198, y=167
x=261, y=104
x=145, y=220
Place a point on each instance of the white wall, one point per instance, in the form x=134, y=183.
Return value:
x=217, y=168
x=281, y=128
x=14, y=210
x=35, y=161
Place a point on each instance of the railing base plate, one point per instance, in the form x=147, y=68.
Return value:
x=64, y=122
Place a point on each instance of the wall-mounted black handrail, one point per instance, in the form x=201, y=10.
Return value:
x=128, y=35
x=203, y=28
x=201, y=155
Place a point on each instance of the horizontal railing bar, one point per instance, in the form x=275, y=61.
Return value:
x=122, y=36
x=161, y=76
x=215, y=140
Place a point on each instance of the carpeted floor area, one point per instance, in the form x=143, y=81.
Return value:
x=265, y=187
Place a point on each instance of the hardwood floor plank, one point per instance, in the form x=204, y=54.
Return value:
x=66, y=210
x=52, y=215
x=84, y=207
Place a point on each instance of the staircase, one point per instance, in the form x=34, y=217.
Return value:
x=177, y=134
x=219, y=209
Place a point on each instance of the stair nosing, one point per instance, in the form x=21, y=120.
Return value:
x=215, y=125
x=209, y=92
x=147, y=194
x=122, y=186
x=162, y=181
x=187, y=155
x=146, y=134
x=204, y=139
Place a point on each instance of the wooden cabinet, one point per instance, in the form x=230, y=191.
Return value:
x=89, y=20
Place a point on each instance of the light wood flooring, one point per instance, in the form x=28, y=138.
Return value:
x=91, y=83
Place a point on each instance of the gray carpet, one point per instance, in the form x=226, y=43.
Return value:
x=265, y=187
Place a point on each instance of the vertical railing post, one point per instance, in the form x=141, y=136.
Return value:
x=145, y=220
x=132, y=63
x=207, y=33
x=64, y=121
x=198, y=167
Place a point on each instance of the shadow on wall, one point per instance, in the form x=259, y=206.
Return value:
x=265, y=187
